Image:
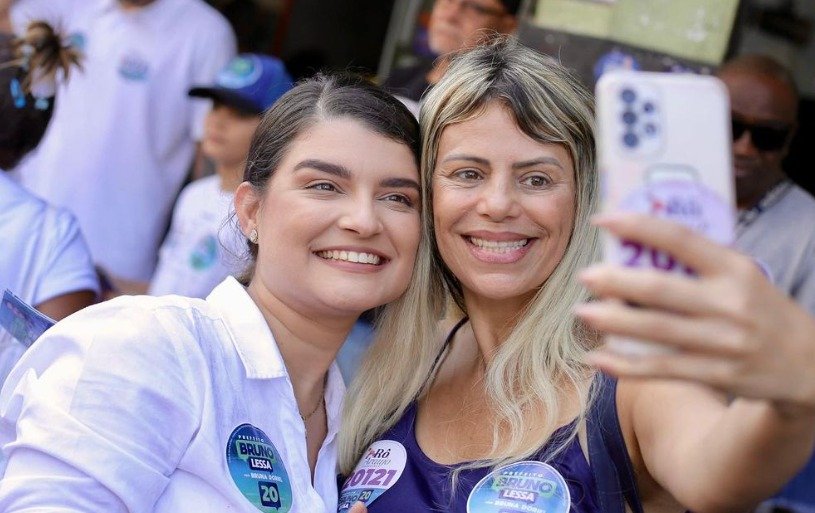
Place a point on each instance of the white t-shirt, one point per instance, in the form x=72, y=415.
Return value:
x=43, y=256
x=204, y=245
x=771, y=233
x=163, y=405
x=123, y=133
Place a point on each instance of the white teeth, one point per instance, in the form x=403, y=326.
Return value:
x=504, y=246
x=350, y=256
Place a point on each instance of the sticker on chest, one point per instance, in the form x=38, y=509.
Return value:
x=378, y=470
x=523, y=487
x=257, y=470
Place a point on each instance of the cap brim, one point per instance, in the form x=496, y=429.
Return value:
x=227, y=97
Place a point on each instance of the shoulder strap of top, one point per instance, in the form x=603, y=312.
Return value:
x=446, y=344
x=609, y=461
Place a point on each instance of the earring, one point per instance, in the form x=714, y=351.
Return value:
x=253, y=236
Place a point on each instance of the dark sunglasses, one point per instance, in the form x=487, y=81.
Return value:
x=764, y=138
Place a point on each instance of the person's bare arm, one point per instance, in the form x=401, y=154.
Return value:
x=64, y=305
x=125, y=287
x=711, y=456
x=731, y=334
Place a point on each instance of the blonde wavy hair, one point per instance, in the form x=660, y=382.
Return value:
x=540, y=362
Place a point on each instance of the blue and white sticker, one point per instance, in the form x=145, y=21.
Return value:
x=257, y=470
x=378, y=470
x=523, y=487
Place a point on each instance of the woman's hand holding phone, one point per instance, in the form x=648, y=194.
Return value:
x=729, y=327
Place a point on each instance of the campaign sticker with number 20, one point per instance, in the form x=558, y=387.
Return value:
x=378, y=470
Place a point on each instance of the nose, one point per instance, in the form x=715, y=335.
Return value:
x=217, y=115
x=744, y=147
x=362, y=218
x=498, y=200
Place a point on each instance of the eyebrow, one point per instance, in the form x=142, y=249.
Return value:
x=325, y=167
x=471, y=158
x=400, y=183
x=550, y=161
x=518, y=165
x=343, y=172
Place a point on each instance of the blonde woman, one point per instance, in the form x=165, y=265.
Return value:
x=499, y=412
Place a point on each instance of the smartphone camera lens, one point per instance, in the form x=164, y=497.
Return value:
x=631, y=140
x=648, y=107
x=650, y=128
x=628, y=95
x=629, y=118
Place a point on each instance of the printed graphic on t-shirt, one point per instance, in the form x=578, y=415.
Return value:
x=257, y=470
x=133, y=67
x=523, y=487
x=205, y=253
x=378, y=470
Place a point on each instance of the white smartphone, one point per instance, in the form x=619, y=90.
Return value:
x=664, y=149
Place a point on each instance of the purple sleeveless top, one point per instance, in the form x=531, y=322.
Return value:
x=424, y=486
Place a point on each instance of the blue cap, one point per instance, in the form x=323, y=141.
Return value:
x=250, y=82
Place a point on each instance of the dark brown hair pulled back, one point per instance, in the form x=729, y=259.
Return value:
x=38, y=57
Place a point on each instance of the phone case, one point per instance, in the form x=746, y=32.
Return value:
x=664, y=149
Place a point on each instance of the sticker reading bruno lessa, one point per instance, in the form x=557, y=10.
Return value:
x=523, y=487
x=257, y=470
x=378, y=470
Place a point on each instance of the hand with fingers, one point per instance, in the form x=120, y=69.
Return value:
x=730, y=328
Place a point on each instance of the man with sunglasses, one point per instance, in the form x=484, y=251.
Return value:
x=775, y=223
x=775, y=216
x=454, y=25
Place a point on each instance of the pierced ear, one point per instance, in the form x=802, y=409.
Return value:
x=247, y=205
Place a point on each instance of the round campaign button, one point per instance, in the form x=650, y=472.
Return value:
x=378, y=470
x=257, y=470
x=523, y=487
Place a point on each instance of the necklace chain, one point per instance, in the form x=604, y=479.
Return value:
x=307, y=417
x=319, y=403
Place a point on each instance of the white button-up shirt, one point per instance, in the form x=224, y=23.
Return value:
x=162, y=405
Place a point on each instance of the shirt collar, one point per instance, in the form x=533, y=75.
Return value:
x=251, y=335
x=334, y=394
x=770, y=198
x=258, y=350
